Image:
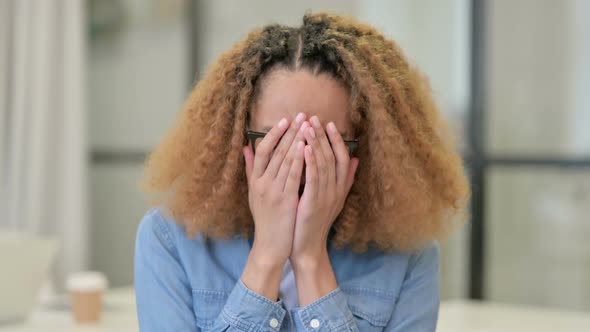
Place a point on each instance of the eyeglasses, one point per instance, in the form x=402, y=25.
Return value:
x=253, y=136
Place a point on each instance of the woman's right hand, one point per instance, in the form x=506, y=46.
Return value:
x=274, y=175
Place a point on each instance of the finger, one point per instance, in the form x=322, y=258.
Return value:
x=354, y=162
x=328, y=169
x=311, y=172
x=283, y=147
x=283, y=172
x=266, y=147
x=249, y=159
x=341, y=154
x=294, y=176
x=322, y=164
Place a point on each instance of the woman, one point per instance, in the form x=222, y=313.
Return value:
x=303, y=188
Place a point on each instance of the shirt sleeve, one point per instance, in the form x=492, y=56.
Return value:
x=164, y=294
x=418, y=304
x=247, y=310
x=328, y=313
x=416, y=308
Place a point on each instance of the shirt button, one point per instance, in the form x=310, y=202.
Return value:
x=314, y=323
x=274, y=323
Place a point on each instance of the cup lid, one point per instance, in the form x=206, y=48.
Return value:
x=87, y=281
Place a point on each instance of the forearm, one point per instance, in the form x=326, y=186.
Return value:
x=323, y=306
x=314, y=277
x=263, y=273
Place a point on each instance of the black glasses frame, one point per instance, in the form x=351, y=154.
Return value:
x=254, y=135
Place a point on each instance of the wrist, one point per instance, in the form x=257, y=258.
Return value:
x=310, y=260
x=314, y=277
x=266, y=260
x=262, y=274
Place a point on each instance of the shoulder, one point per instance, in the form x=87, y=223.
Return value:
x=416, y=272
x=153, y=233
x=401, y=267
x=428, y=255
x=424, y=261
x=424, y=265
x=158, y=229
x=385, y=272
x=153, y=223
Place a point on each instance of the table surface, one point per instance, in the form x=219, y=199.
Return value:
x=455, y=316
x=475, y=316
x=119, y=315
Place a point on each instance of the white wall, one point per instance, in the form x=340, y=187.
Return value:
x=538, y=218
x=138, y=79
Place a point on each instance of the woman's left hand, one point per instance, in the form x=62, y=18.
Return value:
x=329, y=174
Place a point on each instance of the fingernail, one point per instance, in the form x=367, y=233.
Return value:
x=312, y=132
x=303, y=127
x=315, y=121
x=332, y=127
x=283, y=123
x=299, y=118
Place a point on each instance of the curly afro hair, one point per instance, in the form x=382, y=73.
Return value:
x=410, y=187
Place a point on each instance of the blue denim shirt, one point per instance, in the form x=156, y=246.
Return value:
x=194, y=285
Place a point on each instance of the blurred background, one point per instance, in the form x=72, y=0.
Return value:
x=87, y=88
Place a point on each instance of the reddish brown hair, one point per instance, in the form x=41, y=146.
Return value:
x=410, y=186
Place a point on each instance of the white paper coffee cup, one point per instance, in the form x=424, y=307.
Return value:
x=86, y=293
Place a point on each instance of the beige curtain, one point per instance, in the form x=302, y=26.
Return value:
x=42, y=125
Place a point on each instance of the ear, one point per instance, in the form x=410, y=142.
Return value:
x=249, y=158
